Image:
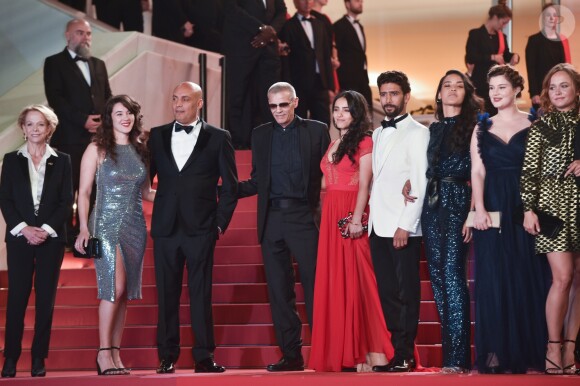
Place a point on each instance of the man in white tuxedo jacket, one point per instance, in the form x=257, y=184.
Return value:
x=399, y=154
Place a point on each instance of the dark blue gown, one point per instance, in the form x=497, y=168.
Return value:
x=510, y=285
x=446, y=252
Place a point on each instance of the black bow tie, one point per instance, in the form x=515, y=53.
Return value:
x=179, y=127
x=306, y=19
x=77, y=58
x=392, y=122
x=355, y=22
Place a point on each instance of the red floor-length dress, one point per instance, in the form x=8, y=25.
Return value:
x=348, y=319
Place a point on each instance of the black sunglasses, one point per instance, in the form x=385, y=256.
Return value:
x=283, y=105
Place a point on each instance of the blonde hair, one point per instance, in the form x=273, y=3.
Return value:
x=46, y=112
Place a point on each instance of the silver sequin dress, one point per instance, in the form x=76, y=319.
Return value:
x=120, y=221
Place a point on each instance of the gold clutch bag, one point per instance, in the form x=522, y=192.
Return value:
x=495, y=219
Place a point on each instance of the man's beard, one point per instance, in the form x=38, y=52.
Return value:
x=83, y=50
x=396, y=112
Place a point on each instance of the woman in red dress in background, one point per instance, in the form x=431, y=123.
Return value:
x=349, y=327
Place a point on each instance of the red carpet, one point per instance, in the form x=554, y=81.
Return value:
x=307, y=378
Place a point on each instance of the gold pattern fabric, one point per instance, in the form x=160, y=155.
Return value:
x=549, y=152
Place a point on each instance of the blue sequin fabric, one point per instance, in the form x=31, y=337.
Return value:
x=444, y=247
x=120, y=221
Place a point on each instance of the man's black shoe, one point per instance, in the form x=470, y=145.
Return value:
x=287, y=364
x=397, y=366
x=9, y=368
x=166, y=367
x=208, y=366
x=38, y=369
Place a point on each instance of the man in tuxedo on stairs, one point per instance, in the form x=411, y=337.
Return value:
x=76, y=85
x=189, y=156
x=309, y=67
x=399, y=154
x=351, y=45
x=286, y=176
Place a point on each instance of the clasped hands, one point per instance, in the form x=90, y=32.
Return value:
x=266, y=36
x=34, y=235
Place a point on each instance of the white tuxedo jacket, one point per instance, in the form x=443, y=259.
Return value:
x=398, y=157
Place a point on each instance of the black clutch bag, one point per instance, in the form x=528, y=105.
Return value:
x=550, y=225
x=343, y=224
x=92, y=250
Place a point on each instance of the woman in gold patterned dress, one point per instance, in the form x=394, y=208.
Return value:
x=548, y=185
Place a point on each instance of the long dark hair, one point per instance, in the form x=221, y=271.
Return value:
x=105, y=137
x=467, y=119
x=358, y=129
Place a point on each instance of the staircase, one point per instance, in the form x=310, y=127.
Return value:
x=243, y=324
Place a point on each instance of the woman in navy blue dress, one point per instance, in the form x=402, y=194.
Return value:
x=510, y=288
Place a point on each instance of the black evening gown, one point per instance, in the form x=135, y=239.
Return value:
x=510, y=281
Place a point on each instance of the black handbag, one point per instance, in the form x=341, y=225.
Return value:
x=550, y=225
x=92, y=250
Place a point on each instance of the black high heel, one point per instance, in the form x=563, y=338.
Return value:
x=110, y=371
x=556, y=370
x=569, y=369
x=123, y=370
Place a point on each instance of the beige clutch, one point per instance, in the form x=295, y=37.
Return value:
x=495, y=219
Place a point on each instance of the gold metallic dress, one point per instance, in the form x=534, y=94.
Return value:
x=549, y=152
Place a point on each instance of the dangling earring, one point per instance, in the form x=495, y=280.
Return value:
x=437, y=100
x=25, y=138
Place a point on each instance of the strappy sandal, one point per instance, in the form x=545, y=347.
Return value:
x=569, y=369
x=123, y=370
x=110, y=371
x=556, y=370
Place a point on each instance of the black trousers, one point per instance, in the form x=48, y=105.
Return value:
x=249, y=76
x=27, y=264
x=289, y=232
x=171, y=255
x=398, y=282
x=76, y=155
x=314, y=100
x=117, y=12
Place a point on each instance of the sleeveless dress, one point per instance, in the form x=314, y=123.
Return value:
x=120, y=221
x=510, y=281
x=348, y=320
x=446, y=253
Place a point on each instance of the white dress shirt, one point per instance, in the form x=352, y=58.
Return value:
x=83, y=66
x=182, y=144
x=36, y=185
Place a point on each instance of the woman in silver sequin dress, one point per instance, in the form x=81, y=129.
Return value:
x=117, y=160
x=550, y=184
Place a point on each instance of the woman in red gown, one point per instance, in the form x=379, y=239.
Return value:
x=349, y=327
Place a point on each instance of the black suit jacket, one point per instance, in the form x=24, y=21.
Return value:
x=16, y=194
x=168, y=18
x=352, y=74
x=208, y=20
x=302, y=57
x=191, y=193
x=71, y=97
x=243, y=19
x=314, y=141
x=479, y=49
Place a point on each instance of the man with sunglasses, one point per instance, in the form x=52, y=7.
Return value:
x=286, y=176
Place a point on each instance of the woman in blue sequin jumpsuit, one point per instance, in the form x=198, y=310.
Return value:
x=117, y=159
x=445, y=210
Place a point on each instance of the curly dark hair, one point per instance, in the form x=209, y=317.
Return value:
x=359, y=128
x=511, y=74
x=104, y=138
x=467, y=119
x=574, y=76
x=396, y=77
